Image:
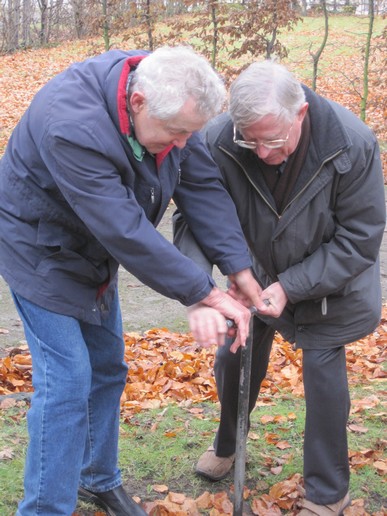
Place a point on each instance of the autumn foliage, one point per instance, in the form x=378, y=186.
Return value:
x=167, y=367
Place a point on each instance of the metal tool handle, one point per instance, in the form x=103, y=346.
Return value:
x=242, y=421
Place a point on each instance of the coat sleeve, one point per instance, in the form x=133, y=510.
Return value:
x=186, y=243
x=210, y=213
x=92, y=186
x=359, y=215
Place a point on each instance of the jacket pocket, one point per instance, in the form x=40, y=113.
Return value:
x=65, y=262
x=75, y=255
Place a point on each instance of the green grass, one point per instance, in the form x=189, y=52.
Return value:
x=162, y=447
x=13, y=440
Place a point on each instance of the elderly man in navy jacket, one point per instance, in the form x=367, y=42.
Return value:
x=86, y=176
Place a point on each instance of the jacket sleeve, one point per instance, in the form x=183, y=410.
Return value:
x=92, y=186
x=359, y=215
x=186, y=243
x=210, y=213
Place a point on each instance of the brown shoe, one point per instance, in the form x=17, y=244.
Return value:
x=333, y=509
x=212, y=467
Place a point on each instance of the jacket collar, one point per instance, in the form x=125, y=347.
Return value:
x=129, y=67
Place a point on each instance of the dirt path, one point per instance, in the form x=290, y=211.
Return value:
x=142, y=308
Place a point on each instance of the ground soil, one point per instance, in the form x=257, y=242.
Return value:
x=142, y=308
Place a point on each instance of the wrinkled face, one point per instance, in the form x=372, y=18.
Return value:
x=155, y=134
x=274, y=140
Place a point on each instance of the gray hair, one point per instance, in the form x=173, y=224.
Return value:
x=170, y=76
x=264, y=88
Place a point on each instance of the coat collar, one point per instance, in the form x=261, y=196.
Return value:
x=129, y=67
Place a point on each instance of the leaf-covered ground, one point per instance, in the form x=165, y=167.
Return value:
x=167, y=367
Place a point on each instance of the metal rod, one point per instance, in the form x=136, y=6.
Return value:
x=242, y=422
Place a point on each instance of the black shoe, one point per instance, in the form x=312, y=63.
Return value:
x=115, y=502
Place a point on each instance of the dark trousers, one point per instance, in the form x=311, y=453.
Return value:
x=326, y=467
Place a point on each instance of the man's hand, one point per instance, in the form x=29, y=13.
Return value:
x=208, y=328
x=245, y=289
x=275, y=300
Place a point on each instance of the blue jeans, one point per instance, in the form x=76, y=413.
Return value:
x=78, y=376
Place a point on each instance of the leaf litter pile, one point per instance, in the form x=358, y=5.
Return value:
x=167, y=367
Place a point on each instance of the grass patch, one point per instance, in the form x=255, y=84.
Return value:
x=162, y=447
x=13, y=443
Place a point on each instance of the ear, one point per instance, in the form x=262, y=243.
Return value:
x=302, y=112
x=137, y=101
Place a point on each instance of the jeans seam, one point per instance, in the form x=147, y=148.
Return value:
x=43, y=459
x=91, y=441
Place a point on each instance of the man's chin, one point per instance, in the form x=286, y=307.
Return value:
x=272, y=161
x=156, y=149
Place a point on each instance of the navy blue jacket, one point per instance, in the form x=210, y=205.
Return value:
x=75, y=203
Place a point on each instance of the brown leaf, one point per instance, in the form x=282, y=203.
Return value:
x=381, y=466
x=204, y=501
x=283, y=445
x=265, y=506
x=6, y=454
x=265, y=419
x=160, y=488
x=358, y=429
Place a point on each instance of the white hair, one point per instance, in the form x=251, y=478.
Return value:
x=264, y=88
x=170, y=76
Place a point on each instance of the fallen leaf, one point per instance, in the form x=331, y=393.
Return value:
x=6, y=454
x=357, y=429
x=160, y=488
x=381, y=466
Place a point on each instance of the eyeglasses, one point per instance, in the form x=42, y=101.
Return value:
x=269, y=144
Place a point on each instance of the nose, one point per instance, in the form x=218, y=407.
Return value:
x=262, y=151
x=180, y=141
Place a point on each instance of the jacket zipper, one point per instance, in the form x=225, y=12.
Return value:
x=152, y=192
x=324, y=303
x=294, y=198
x=251, y=182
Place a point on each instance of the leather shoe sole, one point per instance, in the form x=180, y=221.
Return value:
x=115, y=502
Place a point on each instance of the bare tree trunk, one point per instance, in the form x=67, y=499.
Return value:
x=26, y=23
x=43, y=21
x=215, y=33
x=317, y=55
x=105, y=29
x=149, y=23
x=270, y=43
x=13, y=24
x=78, y=13
x=363, y=104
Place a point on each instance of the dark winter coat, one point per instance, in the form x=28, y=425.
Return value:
x=324, y=246
x=75, y=203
